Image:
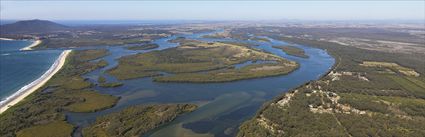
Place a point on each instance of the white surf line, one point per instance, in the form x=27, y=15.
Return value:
x=35, y=43
x=6, y=39
x=36, y=84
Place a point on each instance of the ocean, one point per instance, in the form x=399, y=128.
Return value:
x=19, y=68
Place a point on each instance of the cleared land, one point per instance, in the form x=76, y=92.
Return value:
x=42, y=112
x=136, y=120
x=292, y=50
x=197, y=61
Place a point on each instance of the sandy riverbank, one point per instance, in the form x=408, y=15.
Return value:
x=36, y=84
x=35, y=43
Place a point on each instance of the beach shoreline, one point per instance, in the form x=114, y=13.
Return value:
x=35, y=43
x=36, y=84
x=6, y=39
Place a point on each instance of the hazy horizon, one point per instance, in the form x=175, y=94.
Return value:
x=214, y=10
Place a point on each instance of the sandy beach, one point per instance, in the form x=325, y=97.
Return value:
x=36, y=84
x=35, y=43
x=6, y=39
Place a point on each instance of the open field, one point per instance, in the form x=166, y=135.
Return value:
x=65, y=91
x=215, y=60
x=392, y=66
x=136, y=120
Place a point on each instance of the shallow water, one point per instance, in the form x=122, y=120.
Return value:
x=223, y=106
x=19, y=68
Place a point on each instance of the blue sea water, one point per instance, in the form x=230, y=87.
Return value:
x=19, y=68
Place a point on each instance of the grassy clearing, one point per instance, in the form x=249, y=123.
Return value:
x=136, y=120
x=394, y=66
x=54, y=129
x=409, y=85
x=193, y=56
x=417, y=81
x=293, y=51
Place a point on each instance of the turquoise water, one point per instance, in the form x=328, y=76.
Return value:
x=19, y=68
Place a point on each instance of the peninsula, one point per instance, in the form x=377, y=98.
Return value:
x=30, y=47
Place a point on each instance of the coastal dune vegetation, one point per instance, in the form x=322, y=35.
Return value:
x=198, y=61
x=42, y=112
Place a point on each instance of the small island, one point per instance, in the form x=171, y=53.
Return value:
x=144, y=46
x=200, y=62
x=293, y=51
x=102, y=83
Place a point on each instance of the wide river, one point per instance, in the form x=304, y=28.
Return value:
x=223, y=106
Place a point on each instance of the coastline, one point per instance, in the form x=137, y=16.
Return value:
x=6, y=39
x=35, y=43
x=36, y=84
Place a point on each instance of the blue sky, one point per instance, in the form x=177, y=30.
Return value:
x=213, y=10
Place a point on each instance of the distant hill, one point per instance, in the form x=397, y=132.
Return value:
x=32, y=26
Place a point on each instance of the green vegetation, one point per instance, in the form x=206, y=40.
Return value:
x=293, y=119
x=186, y=62
x=92, y=54
x=136, y=120
x=144, y=47
x=53, y=129
x=93, y=101
x=260, y=39
x=101, y=79
x=102, y=83
x=239, y=43
x=65, y=91
x=292, y=50
x=111, y=85
x=392, y=66
x=231, y=74
x=360, y=97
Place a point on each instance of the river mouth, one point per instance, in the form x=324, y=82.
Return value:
x=223, y=106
